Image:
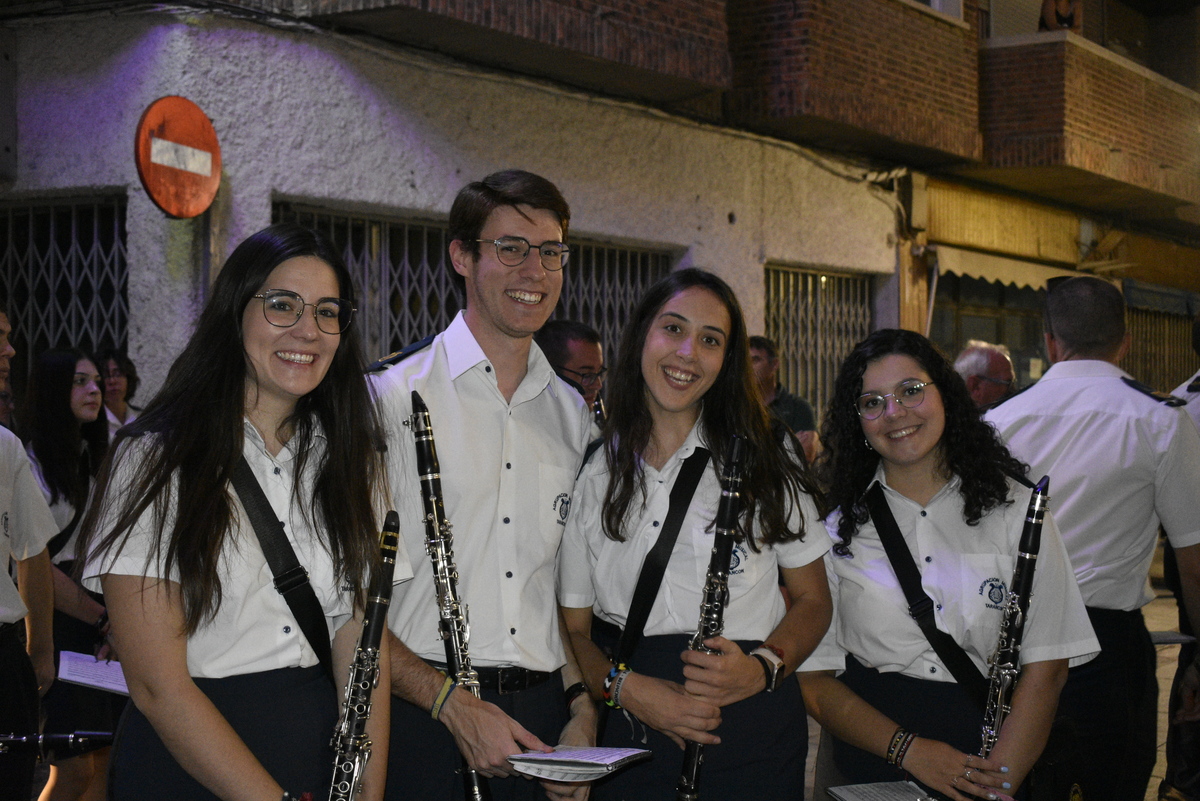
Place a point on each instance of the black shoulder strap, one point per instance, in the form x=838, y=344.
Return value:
x=401, y=355
x=655, y=565
x=919, y=604
x=1161, y=397
x=291, y=579
x=1020, y=478
x=591, y=448
x=59, y=541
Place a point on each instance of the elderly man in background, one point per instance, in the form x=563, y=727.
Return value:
x=792, y=410
x=988, y=371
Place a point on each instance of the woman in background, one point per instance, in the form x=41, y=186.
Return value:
x=901, y=417
x=67, y=438
x=230, y=699
x=120, y=385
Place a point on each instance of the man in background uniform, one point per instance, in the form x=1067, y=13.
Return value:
x=792, y=410
x=1121, y=459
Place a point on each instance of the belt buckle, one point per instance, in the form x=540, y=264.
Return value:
x=508, y=680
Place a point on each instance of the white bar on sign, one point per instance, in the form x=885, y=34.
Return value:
x=180, y=157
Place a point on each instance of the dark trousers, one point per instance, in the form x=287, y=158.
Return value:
x=1183, y=739
x=764, y=741
x=18, y=714
x=424, y=762
x=285, y=717
x=1113, y=703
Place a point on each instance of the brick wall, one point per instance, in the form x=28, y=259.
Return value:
x=1061, y=104
x=878, y=65
x=685, y=38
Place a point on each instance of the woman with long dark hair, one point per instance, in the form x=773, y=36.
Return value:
x=66, y=438
x=229, y=698
x=902, y=417
x=683, y=382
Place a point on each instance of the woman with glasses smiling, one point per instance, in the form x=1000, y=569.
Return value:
x=231, y=699
x=900, y=417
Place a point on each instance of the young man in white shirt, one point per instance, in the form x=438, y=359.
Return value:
x=510, y=438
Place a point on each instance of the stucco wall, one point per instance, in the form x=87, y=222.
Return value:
x=305, y=114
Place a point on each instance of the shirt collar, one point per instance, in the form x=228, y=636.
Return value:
x=1083, y=368
x=463, y=353
x=287, y=453
x=951, y=487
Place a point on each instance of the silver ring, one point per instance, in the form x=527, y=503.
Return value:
x=967, y=775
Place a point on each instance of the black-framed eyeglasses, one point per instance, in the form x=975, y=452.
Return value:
x=512, y=250
x=586, y=379
x=283, y=308
x=908, y=394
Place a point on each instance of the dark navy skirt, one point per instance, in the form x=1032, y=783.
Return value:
x=764, y=740
x=286, y=717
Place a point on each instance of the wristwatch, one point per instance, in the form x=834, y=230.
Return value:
x=773, y=665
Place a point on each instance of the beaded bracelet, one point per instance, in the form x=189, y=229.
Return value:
x=902, y=751
x=447, y=688
x=897, y=738
x=616, y=670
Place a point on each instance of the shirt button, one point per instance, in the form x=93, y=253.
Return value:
x=276, y=470
x=933, y=670
x=508, y=574
x=939, y=607
x=922, y=513
x=512, y=631
x=508, y=465
x=656, y=524
x=487, y=368
x=287, y=629
x=506, y=520
x=928, y=558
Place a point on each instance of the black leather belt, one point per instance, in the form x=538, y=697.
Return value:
x=505, y=680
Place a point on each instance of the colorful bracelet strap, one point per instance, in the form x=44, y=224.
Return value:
x=617, y=671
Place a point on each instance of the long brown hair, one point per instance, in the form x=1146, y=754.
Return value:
x=773, y=479
x=193, y=434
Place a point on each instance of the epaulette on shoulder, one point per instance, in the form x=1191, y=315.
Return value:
x=1195, y=385
x=400, y=355
x=1007, y=398
x=1161, y=397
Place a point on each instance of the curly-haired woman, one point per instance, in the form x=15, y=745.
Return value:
x=902, y=417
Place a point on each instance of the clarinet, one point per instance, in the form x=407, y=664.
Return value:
x=39, y=743
x=716, y=596
x=351, y=746
x=439, y=544
x=1004, y=662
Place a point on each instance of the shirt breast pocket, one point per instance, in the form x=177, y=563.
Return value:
x=985, y=586
x=554, y=501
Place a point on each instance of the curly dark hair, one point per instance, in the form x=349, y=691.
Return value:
x=970, y=448
x=772, y=478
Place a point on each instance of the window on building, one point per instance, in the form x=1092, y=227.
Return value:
x=952, y=8
x=64, y=274
x=816, y=318
x=408, y=294
x=970, y=308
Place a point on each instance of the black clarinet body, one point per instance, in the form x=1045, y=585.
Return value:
x=70, y=742
x=351, y=746
x=715, y=597
x=1005, y=664
x=439, y=544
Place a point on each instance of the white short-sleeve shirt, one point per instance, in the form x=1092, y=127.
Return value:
x=507, y=470
x=26, y=524
x=602, y=573
x=253, y=630
x=966, y=571
x=1120, y=462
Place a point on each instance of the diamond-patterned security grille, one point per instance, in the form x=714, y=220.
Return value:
x=64, y=273
x=401, y=270
x=816, y=318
